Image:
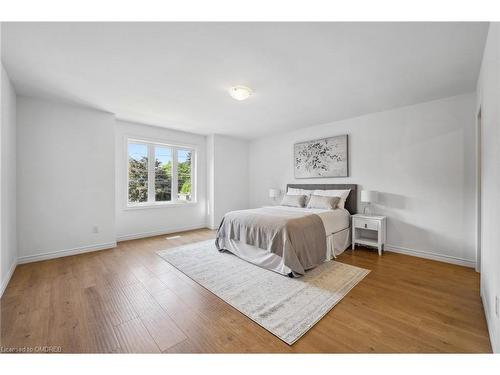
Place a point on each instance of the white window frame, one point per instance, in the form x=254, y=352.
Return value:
x=151, y=146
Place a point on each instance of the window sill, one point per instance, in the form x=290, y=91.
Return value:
x=158, y=205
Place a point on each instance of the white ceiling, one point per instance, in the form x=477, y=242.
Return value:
x=177, y=74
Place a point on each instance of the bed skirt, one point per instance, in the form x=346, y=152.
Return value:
x=336, y=243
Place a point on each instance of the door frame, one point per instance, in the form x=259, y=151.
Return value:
x=479, y=187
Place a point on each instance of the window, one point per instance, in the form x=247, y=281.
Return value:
x=184, y=174
x=159, y=173
x=137, y=172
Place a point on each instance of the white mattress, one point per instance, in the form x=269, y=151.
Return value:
x=333, y=220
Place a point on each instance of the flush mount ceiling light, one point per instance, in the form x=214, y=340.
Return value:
x=240, y=92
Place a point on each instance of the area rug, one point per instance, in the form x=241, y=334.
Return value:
x=286, y=307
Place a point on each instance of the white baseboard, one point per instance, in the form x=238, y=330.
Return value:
x=7, y=278
x=491, y=332
x=161, y=232
x=429, y=255
x=65, y=253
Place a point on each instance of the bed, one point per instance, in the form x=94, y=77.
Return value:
x=289, y=240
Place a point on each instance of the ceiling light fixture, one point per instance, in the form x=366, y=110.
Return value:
x=240, y=92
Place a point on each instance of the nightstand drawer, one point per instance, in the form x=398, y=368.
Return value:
x=365, y=223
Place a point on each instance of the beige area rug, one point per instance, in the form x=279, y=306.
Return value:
x=286, y=307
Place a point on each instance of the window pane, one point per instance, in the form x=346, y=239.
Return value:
x=184, y=166
x=137, y=173
x=163, y=174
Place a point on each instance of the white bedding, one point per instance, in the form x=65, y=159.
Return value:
x=333, y=220
x=337, y=228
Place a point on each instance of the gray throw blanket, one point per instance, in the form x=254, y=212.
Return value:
x=298, y=237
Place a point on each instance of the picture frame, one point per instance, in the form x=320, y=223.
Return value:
x=322, y=158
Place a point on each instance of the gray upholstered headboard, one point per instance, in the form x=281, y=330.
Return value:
x=351, y=204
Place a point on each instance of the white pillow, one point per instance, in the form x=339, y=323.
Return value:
x=343, y=194
x=320, y=201
x=294, y=191
x=307, y=193
x=294, y=200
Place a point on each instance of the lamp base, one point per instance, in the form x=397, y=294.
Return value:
x=367, y=210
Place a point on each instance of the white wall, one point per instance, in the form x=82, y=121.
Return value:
x=421, y=160
x=228, y=176
x=210, y=142
x=8, y=256
x=489, y=99
x=2, y=286
x=65, y=179
x=144, y=222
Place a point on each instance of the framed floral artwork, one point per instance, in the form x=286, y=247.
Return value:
x=327, y=157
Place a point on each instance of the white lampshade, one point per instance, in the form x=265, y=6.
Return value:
x=368, y=196
x=274, y=193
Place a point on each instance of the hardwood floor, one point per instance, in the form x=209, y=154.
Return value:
x=128, y=299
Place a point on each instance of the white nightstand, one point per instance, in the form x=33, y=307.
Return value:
x=369, y=230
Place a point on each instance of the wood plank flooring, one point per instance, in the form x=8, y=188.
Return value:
x=128, y=299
